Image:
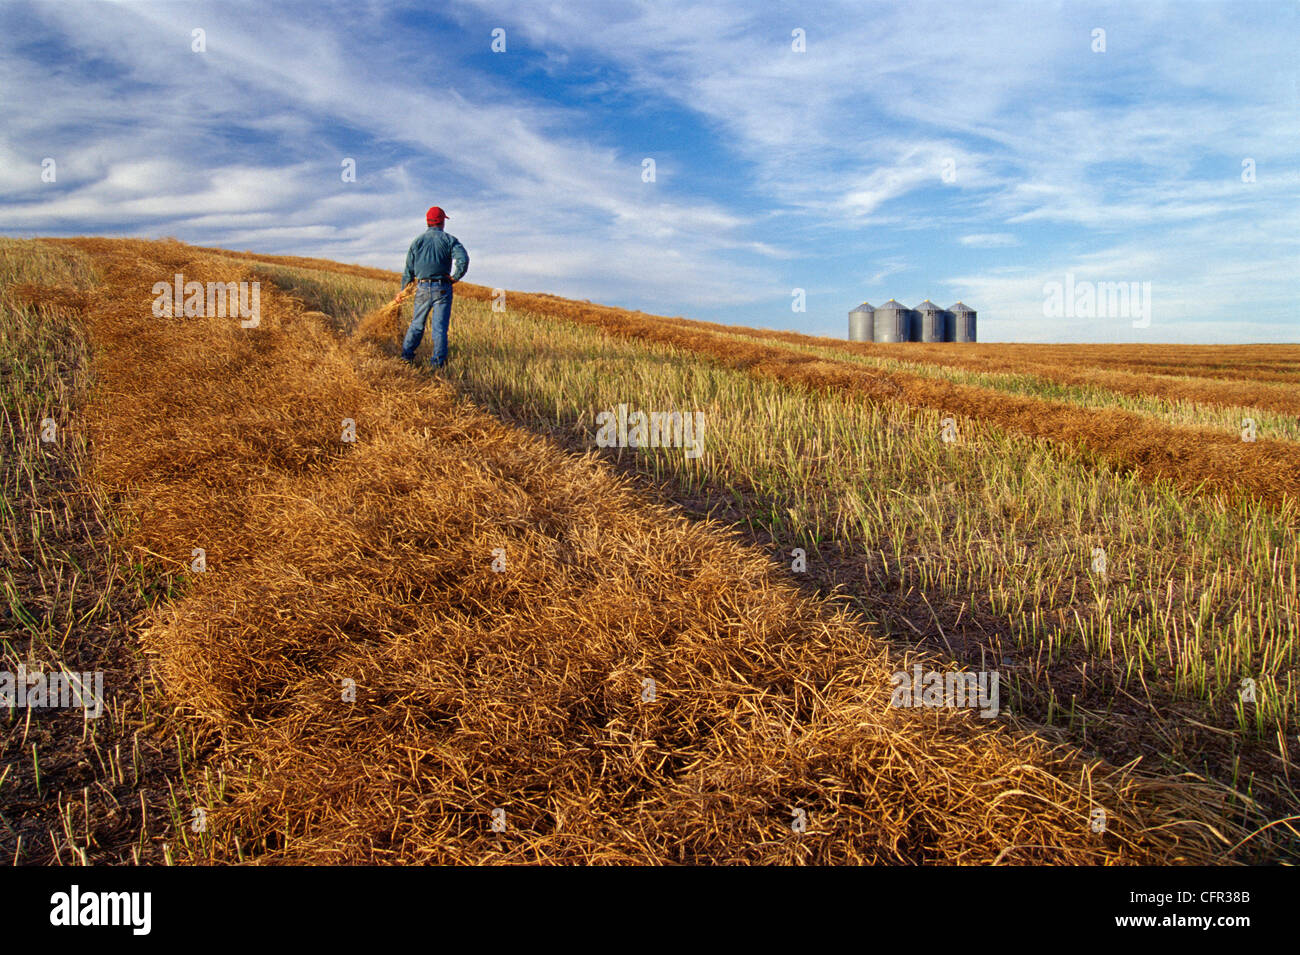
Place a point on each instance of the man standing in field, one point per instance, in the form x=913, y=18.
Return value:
x=430, y=262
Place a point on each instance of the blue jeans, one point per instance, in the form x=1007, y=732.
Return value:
x=432, y=297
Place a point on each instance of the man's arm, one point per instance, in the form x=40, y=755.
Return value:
x=460, y=259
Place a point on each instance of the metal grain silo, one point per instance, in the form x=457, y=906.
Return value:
x=862, y=323
x=949, y=325
x=963, y=323
x=893, y=322
x=930, y=321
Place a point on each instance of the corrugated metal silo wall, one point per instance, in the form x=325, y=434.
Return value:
x=931, y=321
x=949, y=326
x=861, y=326
x=913, y=325
x=965, y=327
x=892, y=325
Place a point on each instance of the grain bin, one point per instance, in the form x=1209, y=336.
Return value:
x=949, y=325
x=862, y=323
x=893, y=322
x=963, y=323
x=931, y=323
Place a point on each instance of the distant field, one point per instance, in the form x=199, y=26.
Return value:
x=524, y=689
x=1186, y=428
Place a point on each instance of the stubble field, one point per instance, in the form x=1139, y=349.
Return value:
x=473, y=635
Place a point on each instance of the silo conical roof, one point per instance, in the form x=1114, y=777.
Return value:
x=892, y=303
x=959, y=307
x=865, y=307
x=928, y=306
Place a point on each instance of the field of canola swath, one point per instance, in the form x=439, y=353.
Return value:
x=473, y=634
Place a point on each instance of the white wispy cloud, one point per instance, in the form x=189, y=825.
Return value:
x=989, y=240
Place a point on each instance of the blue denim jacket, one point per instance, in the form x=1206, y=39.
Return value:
x=432, y=254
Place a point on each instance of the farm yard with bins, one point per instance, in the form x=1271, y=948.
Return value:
x=289, y=582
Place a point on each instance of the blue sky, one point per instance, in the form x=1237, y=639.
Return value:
x=822, y=170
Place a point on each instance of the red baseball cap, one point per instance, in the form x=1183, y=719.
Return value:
x=435, y=214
